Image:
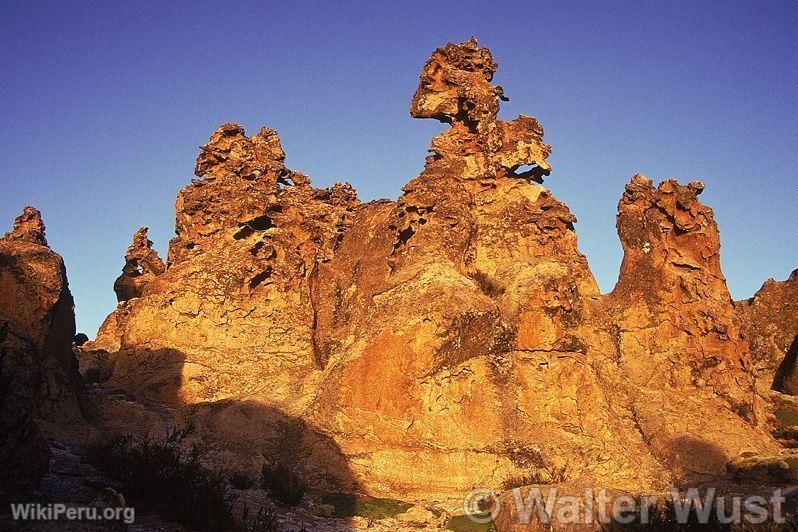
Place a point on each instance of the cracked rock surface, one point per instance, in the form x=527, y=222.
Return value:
x=39, y=380
x=453, y=338
x=772, y=319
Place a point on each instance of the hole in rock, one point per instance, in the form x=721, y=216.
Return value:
x=256, y=248
x=404, y=236
x=261, y=277
x=532, y=172
x=248, y=228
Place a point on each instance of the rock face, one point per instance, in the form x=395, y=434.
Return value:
x=772, y=319
x=38, y=370
x=234, y=311
x=679, y=343
x=452, y=338
x=142, y=265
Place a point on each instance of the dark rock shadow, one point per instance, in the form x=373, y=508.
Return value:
x=786, y=379
x=692, y=459
x=23, y=449
x=138, y=392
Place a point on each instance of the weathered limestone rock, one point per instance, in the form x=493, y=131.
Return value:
x=142, y=264
x=452, y=338
x=233, y=312
x=456, y=88
x=28, y=227
x=37, y=308
x=680, y=345
x=38, y=370
x=772, y=320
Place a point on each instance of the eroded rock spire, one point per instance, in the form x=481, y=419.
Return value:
x=28, y=227
x=456, y=88
x=142, y=264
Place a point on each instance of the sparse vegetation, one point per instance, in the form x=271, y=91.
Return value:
x=240, y=481
x=787, y=414
x=786, y=427
x=463, y=523
x=547, y=474
x=263, y=521
x=488, y=286
x=527, y=479
x=286, y=486
x=166, y=475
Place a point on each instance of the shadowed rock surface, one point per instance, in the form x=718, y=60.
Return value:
x=142, y=265
x=452, y=338
x=772, y=318
x=39, y=380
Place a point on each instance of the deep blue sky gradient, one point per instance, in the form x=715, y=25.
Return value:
x=103, y=105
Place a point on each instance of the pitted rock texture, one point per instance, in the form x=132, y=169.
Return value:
x=234, y=311
x=452, y=338
x=772, y=320
x=39, y=382
x=142, y=264
x=28, y=227
x=679, y=342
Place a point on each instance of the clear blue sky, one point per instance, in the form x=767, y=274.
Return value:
x=103, y=105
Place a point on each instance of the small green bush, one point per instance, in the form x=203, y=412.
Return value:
x=350, y=505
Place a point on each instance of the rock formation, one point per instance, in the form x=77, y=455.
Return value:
x=28, y=227
x=772, y=319
x=452, y=338
x=233, y=313
x=679, y=343
x=142, y=264
x=38, y=370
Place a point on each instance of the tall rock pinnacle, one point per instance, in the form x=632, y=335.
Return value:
x=142, y=264
x=39, y=380
x=28, y=227
x=456, y=88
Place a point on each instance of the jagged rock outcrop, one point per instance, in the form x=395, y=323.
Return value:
x=454, y=337
x=38, y=370
x=679, y=343
x=233, y=312
x=28, y=227
x=449, y=319
x=142, y=264
x=456, y=88
x=771, y=317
